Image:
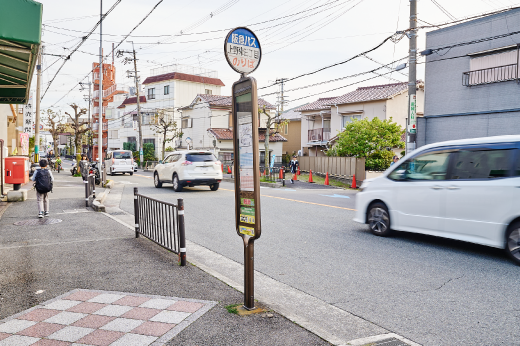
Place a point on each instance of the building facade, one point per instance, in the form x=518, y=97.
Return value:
x=472, y=80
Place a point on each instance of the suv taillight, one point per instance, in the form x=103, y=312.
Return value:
x=113, y=160
x=218, y=163
x=186, y=163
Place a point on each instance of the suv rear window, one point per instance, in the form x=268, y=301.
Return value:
x=122, y=155
x=200, y=157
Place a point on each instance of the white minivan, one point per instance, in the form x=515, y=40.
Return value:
x=467, y=190
x=119, y=161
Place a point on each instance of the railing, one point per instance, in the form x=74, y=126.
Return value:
x=96, y=110
x=90, y=188
x=274, y=174
x=490, y=75
x=161, y=222
x=319, y=135
x=106, y=93
x=337, y=167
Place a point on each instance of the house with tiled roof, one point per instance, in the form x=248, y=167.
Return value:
x=326, y=118
x=166, y=89
x=207, y=125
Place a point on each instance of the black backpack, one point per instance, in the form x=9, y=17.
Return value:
x=43, y=181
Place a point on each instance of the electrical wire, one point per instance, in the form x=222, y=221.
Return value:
x=444, y=10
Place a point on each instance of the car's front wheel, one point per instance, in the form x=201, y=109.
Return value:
x=513, y=242
x=156, y=180
x=379, y=219
x=176, y=183
x=214, y=187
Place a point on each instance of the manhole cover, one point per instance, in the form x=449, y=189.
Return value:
x=35, y=222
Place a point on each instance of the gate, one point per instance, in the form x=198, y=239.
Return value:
x=161, y=222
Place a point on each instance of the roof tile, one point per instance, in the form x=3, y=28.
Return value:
x=132, y=100
x=227, y=134
x=373, y=93
x=184, y=77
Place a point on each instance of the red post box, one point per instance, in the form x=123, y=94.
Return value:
x=17, y=171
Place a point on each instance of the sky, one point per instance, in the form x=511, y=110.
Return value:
x=296, y=36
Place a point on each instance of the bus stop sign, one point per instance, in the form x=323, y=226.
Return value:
x=242, y=50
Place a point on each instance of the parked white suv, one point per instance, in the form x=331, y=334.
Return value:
x=119, y=161
x=466, y=190
x=188, y=168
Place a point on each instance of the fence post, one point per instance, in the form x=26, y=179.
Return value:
x=136, y=212
x=182, y=234
x=86, y=191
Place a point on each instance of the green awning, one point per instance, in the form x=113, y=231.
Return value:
x=20, y=39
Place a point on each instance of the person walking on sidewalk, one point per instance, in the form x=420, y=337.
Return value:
x=43, y=180
x=84, y=166
x=294, y=168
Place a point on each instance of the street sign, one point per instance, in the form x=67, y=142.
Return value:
x=242, y=50
x=412, y=128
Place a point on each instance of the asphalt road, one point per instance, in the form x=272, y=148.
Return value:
x=430, y=290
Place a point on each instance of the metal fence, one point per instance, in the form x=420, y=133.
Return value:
x=340, y=167
x=275, y=174
x=161, y=222
x=490, y=75
x=90, y=188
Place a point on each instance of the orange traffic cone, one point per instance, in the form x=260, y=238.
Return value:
x=327, y=179
x=222, y=167
x=354, y=182
x=228, y=170
x=298, y=172
x=280, y=176
x=310, y=177
x=265, y=172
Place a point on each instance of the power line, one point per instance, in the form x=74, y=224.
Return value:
x=444, y=10
x=79, y=45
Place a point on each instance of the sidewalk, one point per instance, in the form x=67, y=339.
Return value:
x=86, y=280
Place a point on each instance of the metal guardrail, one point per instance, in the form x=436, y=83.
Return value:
x=90, y=188
x=161, y=222
x=490, y=75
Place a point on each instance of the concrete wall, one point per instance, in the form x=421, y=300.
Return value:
x=454, y=111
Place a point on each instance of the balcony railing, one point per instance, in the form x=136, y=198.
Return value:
x=319, y=135
x=96, y=110
x=490, y=75
x=106, y=93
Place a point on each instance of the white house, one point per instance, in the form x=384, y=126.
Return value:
x=207, y=124
x=168, y=92
x=327, y=117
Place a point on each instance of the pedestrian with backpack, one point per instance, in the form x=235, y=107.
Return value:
x=294, y=168
x=43, y=180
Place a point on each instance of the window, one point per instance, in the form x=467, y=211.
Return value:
x=497, y=66
x=149, y=140
x=131, y=140
x=350, y=118
x=517, y=166
x=286, y=129
x=122, y=155
x=113, y=134
x=428, y=166
x=166, y=90
x=209, y=92
x=482, y=164
x=186, y=123
x=201, y=157
x=151, y=93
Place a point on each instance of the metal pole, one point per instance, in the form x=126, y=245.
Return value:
x=249, y=273
x=86, y=191
x=136, y=212
x=89, y=139
x=37, y=115
x=100, y=115
x=182, y=233
x=141, y=160
x=412, y=80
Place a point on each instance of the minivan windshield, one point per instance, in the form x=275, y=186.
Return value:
x=122, y=155
x=200, y=157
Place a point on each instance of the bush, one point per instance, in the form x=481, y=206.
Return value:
x=129, y=146
x=379, y=161
x=169, y=149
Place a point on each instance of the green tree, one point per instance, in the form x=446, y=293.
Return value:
x=167, y=128
x=369, y=139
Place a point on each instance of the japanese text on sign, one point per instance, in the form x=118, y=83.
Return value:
x=243, y=50
x=413, y=115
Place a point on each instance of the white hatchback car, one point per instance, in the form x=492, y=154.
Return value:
x=189, y=168
x=465, y=189
x=119, y=161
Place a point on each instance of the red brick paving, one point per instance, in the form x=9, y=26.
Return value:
x=141, y=313
x=184, y=306
x=131, y=301
x=39, y=315
x=100, y=337
x=93, y=321
x=153, y=328
x=41, y=330
x=86, y=307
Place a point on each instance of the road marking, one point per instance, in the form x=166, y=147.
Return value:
x=336, y=196
x=295, y=200
x=144, y=176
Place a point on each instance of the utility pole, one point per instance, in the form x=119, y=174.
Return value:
x=412, y=80
x=37, y=120
x=100, y=121
x=89, y=100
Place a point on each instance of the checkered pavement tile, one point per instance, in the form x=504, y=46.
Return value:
x=98, y=318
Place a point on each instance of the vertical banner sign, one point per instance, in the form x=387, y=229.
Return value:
x=243, y=53
x=28, y=117
x=412, y=128
x=24, y=143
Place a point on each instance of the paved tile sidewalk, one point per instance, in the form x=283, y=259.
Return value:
x=102, y=318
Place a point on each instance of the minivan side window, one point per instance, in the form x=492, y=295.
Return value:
x=428, y=166
x=176, y=158
x=482, y=164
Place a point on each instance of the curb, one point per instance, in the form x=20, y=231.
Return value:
x=97, y=204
